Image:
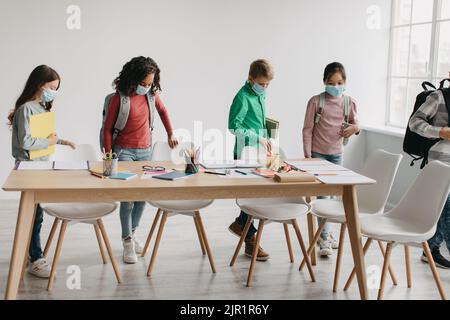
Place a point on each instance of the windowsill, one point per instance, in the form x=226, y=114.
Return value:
x=385, y=130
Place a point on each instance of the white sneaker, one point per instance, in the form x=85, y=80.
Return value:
x=40, y=268
x=325, y=247
x=138, y=246
x=129, y=251
x=333, y=241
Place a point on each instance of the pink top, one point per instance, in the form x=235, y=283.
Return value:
x=324, y=137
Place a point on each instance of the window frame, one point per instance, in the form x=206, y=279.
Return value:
x=433, y=59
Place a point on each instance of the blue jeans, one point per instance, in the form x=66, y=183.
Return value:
x=336, y=159
x=35, y=251
x=443, y=229
x=131, y=212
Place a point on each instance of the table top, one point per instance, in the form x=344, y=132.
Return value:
x=30, y=180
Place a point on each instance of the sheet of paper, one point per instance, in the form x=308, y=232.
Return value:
x=71, y=165
x=328, y=167
x=35, y=165
x=312, y=162
x=230, y=164
x=346, y=178
x=236, y=175
x=41, y=126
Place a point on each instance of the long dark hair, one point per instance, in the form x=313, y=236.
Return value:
x=38, y=77
x=333, y=68
x=133, y=72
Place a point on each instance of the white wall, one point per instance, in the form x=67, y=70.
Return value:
x=204, y=48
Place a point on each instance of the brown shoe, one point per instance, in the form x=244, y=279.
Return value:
x=236, y=229
x=250, y=246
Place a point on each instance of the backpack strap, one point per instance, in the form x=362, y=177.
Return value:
x=319, y=112
x=442, y=83
x=122, y=116
x=346, y=109
x=151, y=109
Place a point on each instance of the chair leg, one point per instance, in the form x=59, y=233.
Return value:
x=352, y=274
x=304, y=251
x=255, y=252
x=50, y=237
x=426, y=248
x=391, y=272
x=109, y=249
x=386, y=263
x=339, y=256
x=408, y=266
x=199, y=234
x=311, y=227
x=100, y=244
x=150, y=234
x=288, y=242
x=157, y=241
x=313, y=243
x=205, y=240
x=241, y=240
x=57, y=254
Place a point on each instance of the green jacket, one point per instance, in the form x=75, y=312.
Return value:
x=246, y=119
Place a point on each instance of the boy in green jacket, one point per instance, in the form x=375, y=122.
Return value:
x=247, y=122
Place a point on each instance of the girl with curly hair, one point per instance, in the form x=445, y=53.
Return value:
x=138, y=78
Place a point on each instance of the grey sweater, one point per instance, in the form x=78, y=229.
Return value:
x=428, y=121
x=22, y=141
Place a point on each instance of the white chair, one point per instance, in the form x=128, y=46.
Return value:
x=413, y=221
x=162, y=152
x=90, y=213
x=280, y=210
x=381, y=166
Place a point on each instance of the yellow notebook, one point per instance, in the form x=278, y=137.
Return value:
x=41, y=126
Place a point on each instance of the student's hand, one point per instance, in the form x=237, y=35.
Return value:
x=349, y=131
x=266, y=143
x=52, y=139
x=173, y=142
x=445, y=133
x=70, y=144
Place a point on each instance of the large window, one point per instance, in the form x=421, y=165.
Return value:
x=419, y=51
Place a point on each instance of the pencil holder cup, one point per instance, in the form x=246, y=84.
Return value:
x=191, y=167
x=110, y=167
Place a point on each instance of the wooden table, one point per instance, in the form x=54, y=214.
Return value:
x=80, y=186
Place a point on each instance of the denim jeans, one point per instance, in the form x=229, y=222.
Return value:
x=242, y=220
x=131, y=212
x=336, y=159
x=35, y=251
x=443, y=229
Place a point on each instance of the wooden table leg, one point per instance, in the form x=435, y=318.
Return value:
x=22, y=234
x=354, y=231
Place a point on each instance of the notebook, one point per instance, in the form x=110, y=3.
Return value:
x=230, y=164
x=175, y=175
x=124, y=176
x=272, y=128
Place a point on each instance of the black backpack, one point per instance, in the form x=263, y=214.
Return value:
x=414, y=144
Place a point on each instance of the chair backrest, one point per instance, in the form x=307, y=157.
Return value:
x=423, y=203
x=381, y=166
x=162, y=152
x=83, y=152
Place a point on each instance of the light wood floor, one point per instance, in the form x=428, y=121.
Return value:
x=181, y=272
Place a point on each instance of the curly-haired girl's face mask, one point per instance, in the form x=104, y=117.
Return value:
x=142, y=91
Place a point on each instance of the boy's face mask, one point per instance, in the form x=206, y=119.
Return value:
x=258, y=89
